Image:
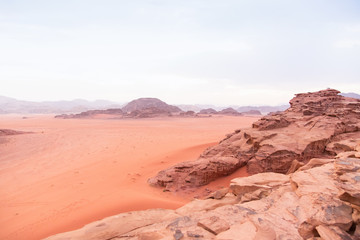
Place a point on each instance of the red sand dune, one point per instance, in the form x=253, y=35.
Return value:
x=75, y=171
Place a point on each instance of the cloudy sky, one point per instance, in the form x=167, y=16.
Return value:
x=243, y=52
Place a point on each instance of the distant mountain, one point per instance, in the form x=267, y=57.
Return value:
x=229, y=111
x=145, y=103
x=252, y=112
x=12, y=105
x=139, y=108
x=351, y=95
x=208, y=111
x=263, y=109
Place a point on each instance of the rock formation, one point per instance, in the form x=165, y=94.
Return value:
x=147, y=113
x=252, y=112
x=208, y=111
x=229, y=111
x=320, y=200
x=188, y=114
x=318, y=124
x=145, y=103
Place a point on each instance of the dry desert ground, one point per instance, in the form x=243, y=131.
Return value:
x=70, y=172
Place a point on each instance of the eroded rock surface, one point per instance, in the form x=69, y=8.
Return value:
x=320, y=201
x=317, y=125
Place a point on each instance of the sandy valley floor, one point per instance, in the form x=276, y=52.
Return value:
x=70, y=172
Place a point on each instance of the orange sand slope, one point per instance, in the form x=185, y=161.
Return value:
x=75, y=171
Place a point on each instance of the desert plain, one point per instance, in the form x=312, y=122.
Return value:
x=66, y=173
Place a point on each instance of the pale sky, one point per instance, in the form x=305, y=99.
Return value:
x=240, y=52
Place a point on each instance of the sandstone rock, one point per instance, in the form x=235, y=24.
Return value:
x=317, y=125
x=148, y=113
x=257, y=186
x=349, y=154
x=214, y=225
x=295, y=165
x=315, y=162
x=303, y=205
x=264, y=231
x=205, y=205
x=117, y=225
x=332, y=233
x=196, y=173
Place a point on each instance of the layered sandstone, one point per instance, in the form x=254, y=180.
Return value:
x=319, y=201
x=317, y=124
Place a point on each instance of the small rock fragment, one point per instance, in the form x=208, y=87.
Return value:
x=214, y=224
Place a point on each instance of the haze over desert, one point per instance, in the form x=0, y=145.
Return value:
x=180, y=120
x=67, y=173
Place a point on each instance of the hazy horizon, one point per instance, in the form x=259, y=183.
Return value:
x=182, y=52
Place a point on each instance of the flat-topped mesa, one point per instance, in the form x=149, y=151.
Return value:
x=318, y=124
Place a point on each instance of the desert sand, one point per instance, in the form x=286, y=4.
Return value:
x=70, y=172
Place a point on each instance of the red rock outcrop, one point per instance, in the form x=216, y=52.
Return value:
x=320, y=201
x=146, y=103
x=316, y=125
